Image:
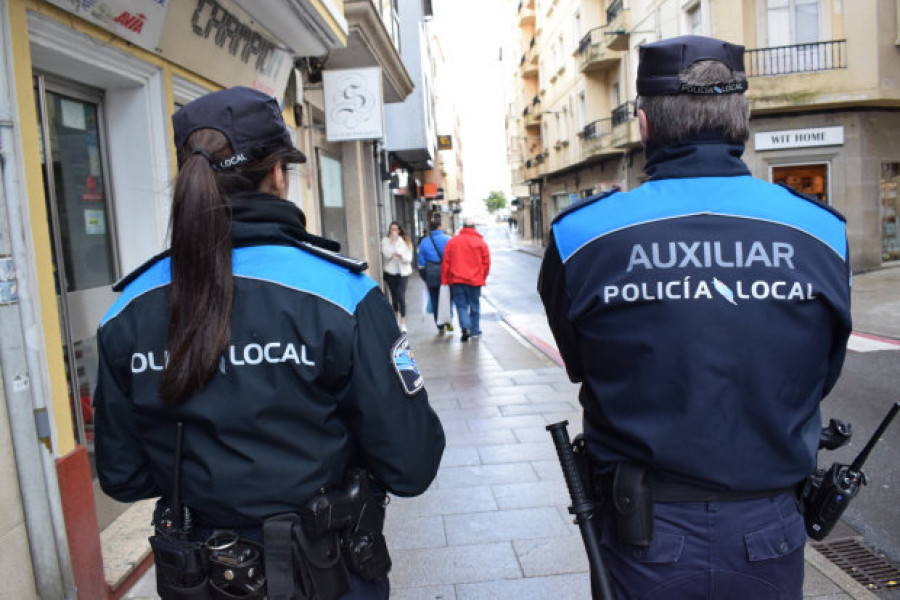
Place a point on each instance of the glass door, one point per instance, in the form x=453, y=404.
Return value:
x=76, y=190
x=331, y=193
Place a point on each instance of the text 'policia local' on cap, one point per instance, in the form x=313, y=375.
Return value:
x=250, y=119
x=662, y=63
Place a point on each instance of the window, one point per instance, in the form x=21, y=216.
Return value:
x=809, y=179
x=790, y=22
x=694, y=22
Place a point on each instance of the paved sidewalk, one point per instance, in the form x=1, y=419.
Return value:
x=494, y=524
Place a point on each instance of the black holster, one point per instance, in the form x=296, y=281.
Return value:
x=632, y=495
x=299, y=568
x=181, y=569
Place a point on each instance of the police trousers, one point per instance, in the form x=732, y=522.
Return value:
x=724, y=550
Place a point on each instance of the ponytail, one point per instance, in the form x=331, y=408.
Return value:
x=201, y=292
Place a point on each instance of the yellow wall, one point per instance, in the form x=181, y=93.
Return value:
x=34, y=190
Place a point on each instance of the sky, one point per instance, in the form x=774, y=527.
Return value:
x=469, y=35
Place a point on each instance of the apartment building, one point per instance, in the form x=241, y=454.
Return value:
x=824, y=96
x=87, y=90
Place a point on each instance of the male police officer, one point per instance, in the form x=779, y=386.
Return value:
x=706, y=314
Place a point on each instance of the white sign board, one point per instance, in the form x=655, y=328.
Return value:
x=354, y=109
x=214, y=38
x=138, y=21
x=799, y=138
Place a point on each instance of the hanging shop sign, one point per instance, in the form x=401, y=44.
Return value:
x=799, y=138
x=445, y=142
x=354, y=109
x=216, y=39
x=138, y=21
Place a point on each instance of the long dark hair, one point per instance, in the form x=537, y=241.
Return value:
x=401, y=232
x=202, y=290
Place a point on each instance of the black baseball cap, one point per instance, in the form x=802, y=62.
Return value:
x=662, y=63
x=250, y=119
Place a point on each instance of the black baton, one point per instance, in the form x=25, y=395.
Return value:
x=582, y=508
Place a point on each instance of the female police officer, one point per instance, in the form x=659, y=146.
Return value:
x=280, y=362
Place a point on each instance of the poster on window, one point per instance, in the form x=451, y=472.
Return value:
x=94, y=221
x=353, y=104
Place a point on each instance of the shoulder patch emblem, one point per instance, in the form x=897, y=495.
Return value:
x=406, y=367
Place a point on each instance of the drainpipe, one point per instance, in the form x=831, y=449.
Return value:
x=23, y=376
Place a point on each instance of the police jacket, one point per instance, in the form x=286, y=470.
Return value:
x=706, y=314
x=316, y=378
x=467, y=259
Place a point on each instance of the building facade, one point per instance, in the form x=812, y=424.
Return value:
x=87, y=90
x=824, y=98
x=411, y=135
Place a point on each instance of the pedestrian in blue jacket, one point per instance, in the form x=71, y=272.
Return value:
x=431, y=250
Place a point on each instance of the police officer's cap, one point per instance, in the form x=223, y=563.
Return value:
x=662, y=63
x=250, y=119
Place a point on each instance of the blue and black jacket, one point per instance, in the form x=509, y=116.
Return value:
x=706, y=314
x=316, y=379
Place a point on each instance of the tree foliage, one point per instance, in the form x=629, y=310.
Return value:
x=495, y=201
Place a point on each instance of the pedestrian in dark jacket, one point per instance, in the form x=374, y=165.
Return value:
x=706, y=315
x=467, y=262
x=280, y=362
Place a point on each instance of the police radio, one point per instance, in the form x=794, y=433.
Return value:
x=826, y=494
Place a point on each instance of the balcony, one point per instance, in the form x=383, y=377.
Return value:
x=625, y=129
x=595, y=138
x=618, y=24
x=820, y=75
x=532, y=117
x=525, y=15
x=528, y=65
x=596, y=56
x=799, y=58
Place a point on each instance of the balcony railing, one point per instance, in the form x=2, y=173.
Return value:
x=585, y=42
x=799, y=58
x=613, y=10
x=622, y=113
x=595, y=129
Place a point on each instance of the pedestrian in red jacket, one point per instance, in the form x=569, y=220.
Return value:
x=467, y=262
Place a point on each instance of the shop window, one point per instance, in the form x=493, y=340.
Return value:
x=331, y=194
x=560, y=203
x=809, y=179
x=890, y=211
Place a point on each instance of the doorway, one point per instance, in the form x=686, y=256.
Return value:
x=79, y=211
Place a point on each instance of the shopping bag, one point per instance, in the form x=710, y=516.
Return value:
x=444, y=314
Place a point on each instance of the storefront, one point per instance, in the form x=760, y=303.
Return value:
x=847, y=159
x=88, y=163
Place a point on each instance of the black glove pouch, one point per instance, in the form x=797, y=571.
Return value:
x=632, y=496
